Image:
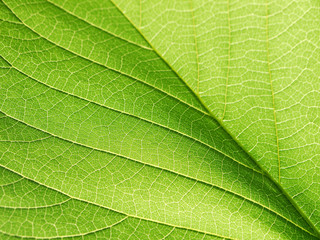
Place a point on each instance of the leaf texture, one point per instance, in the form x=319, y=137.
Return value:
x=159, y=119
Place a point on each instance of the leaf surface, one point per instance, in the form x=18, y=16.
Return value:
x=159, y=120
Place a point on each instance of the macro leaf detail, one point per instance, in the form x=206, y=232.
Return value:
x=159, y=119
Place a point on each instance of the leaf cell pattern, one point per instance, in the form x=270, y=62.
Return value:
x=159, y=119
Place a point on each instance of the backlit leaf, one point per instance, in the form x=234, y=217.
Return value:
x=159, y=119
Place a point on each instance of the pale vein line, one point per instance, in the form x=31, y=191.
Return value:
x=116, y=211
x=9, y=21
x=37, y=207
x=137, y=117
x=169, y=233
x=140, y=19
x=160, y=168
x=24, y=141
x=11, y=183
x=229, y=59
x=195, y=46
x=68, y=236
x=272, y=91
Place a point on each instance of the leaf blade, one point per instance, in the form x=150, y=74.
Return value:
x=72, y=116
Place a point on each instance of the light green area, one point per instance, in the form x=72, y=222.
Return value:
x=159, y=120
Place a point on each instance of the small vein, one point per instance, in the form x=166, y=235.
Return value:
x=272, y=92
x=169, y=233
x=72, y=235
x=11, y=183
x=229, y=60
x=25, y=141
x=140, y=14
x=196, y=46
x=37, y=207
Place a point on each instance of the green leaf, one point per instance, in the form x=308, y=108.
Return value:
x=159, y=119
